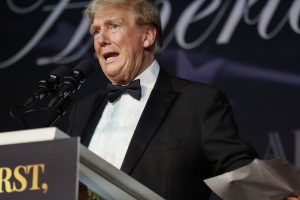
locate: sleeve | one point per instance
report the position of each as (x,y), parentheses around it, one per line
(221,143)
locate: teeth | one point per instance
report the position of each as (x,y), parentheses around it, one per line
(108,59)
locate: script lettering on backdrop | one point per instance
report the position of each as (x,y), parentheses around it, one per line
(194,12)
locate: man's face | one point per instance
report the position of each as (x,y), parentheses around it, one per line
(120,44)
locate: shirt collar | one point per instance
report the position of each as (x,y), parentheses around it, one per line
(149,76)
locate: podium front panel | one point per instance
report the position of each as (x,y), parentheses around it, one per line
(39,170)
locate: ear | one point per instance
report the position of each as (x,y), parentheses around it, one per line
(150,35)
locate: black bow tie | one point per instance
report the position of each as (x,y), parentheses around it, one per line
(115,91)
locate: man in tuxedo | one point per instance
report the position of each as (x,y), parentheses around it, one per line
(166,132)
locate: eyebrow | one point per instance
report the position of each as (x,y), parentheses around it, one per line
(93,27)
(109,21)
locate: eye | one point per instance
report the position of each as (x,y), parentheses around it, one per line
(95,32)
(114,26)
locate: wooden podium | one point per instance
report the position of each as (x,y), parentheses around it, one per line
(46,164)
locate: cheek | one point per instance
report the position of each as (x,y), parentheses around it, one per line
(134,47)
(95,44)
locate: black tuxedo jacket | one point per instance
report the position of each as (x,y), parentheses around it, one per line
(186,133)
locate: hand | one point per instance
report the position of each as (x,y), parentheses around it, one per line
(294,197)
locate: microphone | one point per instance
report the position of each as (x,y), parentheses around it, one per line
(49,85)
(70,84)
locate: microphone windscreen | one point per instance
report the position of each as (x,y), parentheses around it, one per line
(61,71)
(86,67)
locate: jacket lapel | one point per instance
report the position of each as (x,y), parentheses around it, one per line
(85,116)
(93,120)
(156,109)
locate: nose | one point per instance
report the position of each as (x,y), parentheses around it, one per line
(102,38)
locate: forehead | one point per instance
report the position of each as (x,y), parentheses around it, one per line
(113,13)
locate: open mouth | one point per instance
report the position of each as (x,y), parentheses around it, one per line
(110,56)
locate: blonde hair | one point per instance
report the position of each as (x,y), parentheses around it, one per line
(145,13)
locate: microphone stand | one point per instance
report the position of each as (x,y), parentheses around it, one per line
(60,110)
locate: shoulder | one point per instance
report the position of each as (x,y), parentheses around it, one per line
(196,89)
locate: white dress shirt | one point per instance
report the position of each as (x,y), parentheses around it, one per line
(119,120)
